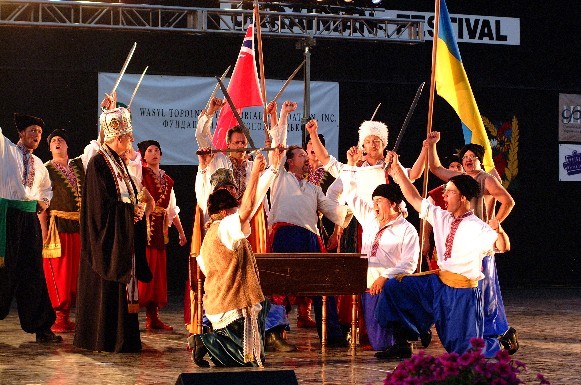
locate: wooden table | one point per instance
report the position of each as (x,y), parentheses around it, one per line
(309,274)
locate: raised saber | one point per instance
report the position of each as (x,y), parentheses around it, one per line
(288,81)
(213,95)
(408,116)
(137,87)
(407,120)
(375,112)
(227,150)
(124,67)
(236,114)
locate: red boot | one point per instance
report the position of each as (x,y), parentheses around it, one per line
(63,324)
(152,321)
(304,319)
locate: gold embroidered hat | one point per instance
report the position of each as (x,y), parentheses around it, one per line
(115,122)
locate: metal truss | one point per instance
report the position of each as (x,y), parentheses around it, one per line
(283,23)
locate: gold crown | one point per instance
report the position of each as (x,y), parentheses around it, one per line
(115,122)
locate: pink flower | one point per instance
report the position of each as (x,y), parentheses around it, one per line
(451,368)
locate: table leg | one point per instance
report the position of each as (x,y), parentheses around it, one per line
(324,324)
(354,320)
(199,304)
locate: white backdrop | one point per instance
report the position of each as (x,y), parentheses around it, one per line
(166,109)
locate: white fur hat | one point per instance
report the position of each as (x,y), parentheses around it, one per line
(371,127)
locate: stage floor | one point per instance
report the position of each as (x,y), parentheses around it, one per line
(548,322)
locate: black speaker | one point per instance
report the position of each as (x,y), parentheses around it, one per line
(253,377)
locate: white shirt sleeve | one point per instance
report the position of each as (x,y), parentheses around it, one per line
(172,209)
(135,168)
(335,191)
(333,166)
(203,131)
(278,134)
(230,231)
(202,186)
(44,185)
(264,183)
(90,151)
(338,214)
(361,208)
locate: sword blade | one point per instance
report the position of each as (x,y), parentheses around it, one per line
(216,87)
(288,81)
(127,60)
(227,150)
(408,116)
(137,87)
(236,114)
(375,112)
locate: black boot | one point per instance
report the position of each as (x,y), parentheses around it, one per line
(426,338)
(397,351)
(46,336)
(509,341)
(401,349)
(274,342)
(198,351)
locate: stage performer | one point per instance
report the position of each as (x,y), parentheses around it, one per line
(25,191)
(436,197)
(449,297)
(368,154)
(391,244)
(238,162)
(319,177)
(60,227)
(112,245)
(233,299)
(497,332)
(153,295)
(293,216)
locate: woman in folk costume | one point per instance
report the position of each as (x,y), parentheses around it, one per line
(153,295)
(112,245)
(233,300)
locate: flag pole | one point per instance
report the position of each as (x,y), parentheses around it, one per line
(261,65)
(430,120)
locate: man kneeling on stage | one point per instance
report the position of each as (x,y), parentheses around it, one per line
(233,299)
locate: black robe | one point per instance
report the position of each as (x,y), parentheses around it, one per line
(108,239)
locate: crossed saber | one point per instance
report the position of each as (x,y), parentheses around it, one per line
(245,129)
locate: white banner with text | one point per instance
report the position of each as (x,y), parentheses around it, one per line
(166,109)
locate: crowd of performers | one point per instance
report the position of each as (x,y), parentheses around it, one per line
(92,230)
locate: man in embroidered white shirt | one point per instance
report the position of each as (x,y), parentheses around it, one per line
(25,191)
(449,299)
(391,244)
(294,216)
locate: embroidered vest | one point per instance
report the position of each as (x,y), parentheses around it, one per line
(66,196)
(161,192)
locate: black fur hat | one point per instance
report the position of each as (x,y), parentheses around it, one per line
(22,121)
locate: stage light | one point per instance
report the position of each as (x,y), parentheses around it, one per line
(376,2)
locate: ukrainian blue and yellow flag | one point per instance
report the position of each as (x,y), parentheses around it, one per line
(452,84)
